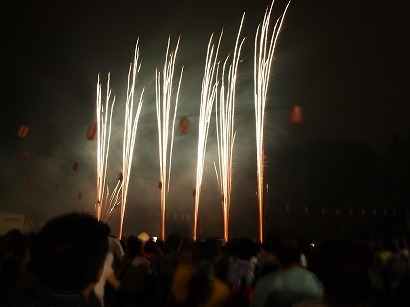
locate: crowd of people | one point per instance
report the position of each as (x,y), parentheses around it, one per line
(75,261)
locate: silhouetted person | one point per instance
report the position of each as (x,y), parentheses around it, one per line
(338,264)
(195,283)
(68,256)
(13,259)
(241,272)
(289,284)
(134,275)
(168,264)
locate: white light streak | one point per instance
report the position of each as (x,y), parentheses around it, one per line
(225,131)
(164,105)
(104,120)
(208,95)
(130,130)
(264,51)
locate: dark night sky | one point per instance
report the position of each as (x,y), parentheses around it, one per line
(345,62)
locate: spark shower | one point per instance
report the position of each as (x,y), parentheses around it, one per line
(218,86)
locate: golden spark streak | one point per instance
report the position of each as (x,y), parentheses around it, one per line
(264,51)
(130,130)
(164,106)
(225,132)
(113,201)
(103,144)
(208,95)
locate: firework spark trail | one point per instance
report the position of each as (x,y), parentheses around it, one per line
(264,51)
(112,203)
(103,143)
(208,95)
(225,131)
(130,130)
(164,105)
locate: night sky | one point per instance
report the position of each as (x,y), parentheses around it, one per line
(345,62)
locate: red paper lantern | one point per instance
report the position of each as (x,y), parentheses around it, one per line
(91,132)
(183,125)
(75,166)
(23,131)
(296,114)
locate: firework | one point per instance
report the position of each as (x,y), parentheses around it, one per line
(164,106)
(104,119)
(130,130)
(225,131)
(208,95)
(265,43)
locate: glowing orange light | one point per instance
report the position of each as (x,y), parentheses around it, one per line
(296,114)
(22,133)
(183,125)
(91,132)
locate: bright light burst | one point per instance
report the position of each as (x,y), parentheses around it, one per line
(264,51)
(208,95)
(130,130)
(225,131)
(164,105)
(105,203)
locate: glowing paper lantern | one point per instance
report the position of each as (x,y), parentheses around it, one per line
(296,114)
(75,166)
(183,125)
(92,131)
(23,131)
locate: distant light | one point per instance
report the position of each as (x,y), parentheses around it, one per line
(143,236)
(183,125)
(91,132)
(22,133)
(296,114)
